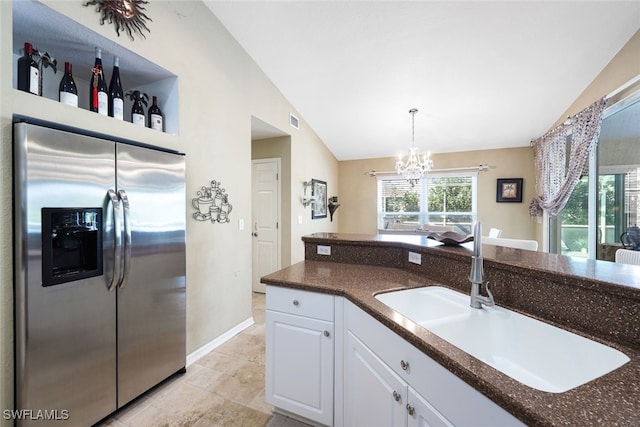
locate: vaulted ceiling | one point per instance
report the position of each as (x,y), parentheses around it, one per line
(482,74)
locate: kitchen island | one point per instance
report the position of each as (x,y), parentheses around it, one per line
(596,299)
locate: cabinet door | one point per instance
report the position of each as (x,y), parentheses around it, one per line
(374,394)
(299,365)
(422,414)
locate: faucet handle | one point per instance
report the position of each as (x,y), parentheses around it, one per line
(489,294)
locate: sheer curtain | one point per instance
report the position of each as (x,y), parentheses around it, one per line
(554,180)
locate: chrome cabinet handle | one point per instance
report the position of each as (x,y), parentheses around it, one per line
(254,234)
(296,302)
(127,239)
(326,334)
(396,396)
(410,409)
(404,365)
(117,247)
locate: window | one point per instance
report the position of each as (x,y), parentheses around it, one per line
(598,212)
(439,202)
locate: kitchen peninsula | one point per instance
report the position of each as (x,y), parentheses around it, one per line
(596,299)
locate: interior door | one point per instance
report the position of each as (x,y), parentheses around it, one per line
(266,218)
(152,297)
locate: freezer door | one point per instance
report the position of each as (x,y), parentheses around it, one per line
(65,335)
(151,299)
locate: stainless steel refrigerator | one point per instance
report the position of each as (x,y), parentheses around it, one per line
(99,273)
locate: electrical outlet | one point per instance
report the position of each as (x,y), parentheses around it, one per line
(324,250)
(415,258)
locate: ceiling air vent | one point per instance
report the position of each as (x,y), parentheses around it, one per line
(293,121)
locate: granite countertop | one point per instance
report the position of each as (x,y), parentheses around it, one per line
(626,278)
(613,399)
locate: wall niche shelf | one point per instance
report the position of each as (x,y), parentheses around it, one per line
(69,41)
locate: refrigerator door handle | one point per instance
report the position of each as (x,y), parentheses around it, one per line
(117,230)
(127,239)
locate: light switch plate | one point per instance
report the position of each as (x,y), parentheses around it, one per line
(415,258)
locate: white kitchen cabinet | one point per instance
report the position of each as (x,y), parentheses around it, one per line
(332,363)
(435,396)
(300,353)
(422,414)
(374,395)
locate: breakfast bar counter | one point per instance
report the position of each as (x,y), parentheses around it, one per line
(596,299)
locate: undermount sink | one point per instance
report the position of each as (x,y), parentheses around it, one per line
(532,352)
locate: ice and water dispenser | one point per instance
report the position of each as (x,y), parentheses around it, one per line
(71,244)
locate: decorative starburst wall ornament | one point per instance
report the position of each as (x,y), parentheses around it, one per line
(126,15)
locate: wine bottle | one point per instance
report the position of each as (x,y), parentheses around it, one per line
(116,95)
(98,92)
(28,72)
(68,92)
(137,110)
(156,119)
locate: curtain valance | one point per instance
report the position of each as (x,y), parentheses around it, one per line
(555,180)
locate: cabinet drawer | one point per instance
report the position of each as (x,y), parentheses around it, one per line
(300,303)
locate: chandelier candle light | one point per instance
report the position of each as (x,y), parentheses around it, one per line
(416,166)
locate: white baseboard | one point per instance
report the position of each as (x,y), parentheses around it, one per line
(216,342)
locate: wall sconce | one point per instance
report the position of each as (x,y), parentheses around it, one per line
(333,205)
(306,201)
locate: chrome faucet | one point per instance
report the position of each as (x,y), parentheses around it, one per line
(476,277)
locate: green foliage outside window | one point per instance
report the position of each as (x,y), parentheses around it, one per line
(408,202)
(450,195)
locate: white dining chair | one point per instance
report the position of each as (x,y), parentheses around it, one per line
(530,245)
(627,256)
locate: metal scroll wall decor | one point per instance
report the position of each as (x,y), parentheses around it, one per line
(212,204)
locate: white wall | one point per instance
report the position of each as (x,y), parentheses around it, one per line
(220,88)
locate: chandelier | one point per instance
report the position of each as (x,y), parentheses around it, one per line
(416,166)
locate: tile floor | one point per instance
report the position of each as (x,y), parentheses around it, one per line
(224,388)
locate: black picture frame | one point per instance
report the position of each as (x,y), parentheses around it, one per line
(509,190)
(319,195)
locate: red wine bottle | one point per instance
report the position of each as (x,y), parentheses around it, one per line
(28,72)
(116,95)
(98,92)
(156,119)
(68,92)
(137,110)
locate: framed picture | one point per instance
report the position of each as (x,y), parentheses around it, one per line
(319,194)
(509,190)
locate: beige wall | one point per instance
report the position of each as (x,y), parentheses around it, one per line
(220,89)
(358,190)
(6,242)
